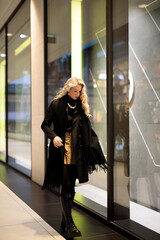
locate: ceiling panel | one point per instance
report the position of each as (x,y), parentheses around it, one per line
(6,9)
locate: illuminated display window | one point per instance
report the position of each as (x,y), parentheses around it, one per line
(2,98)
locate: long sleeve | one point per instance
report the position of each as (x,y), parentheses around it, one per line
(46,124)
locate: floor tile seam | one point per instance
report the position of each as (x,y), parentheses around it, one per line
(47,204)
(20,202)
(41,223)
(99,235)
(109,234)
(118,234)
(9,192)
(7,188)
(17,224)
(14,225)
(49,231)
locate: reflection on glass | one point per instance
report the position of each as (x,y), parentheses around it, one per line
(76,38)
(2,98)
(144,65)
(121,116)
(94,75)
(91,63)
(59,45)
(19,121)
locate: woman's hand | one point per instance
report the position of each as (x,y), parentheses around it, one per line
(57,141)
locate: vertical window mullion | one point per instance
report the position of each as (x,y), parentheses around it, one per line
(110,137)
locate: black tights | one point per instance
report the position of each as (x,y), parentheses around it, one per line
(69,178)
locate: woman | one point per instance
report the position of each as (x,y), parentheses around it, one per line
(74,148)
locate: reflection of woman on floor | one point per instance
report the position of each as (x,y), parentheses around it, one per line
(74,148)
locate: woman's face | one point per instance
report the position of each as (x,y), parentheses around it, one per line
(75,92)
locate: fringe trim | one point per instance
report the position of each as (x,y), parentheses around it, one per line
(97,167)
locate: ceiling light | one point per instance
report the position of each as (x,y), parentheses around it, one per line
(102,76)
(23,36)
(9,34)
(3,55)
(121,76)
(142,5)
(94,85)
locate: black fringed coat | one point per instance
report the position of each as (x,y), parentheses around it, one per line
(86,146)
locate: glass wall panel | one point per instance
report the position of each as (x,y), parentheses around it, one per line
(81,39)
(2,97)
(144,115)
(19,106)
(136,72)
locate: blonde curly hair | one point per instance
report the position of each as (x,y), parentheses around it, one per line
(73,82)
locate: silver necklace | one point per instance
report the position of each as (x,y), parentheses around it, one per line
(73,107)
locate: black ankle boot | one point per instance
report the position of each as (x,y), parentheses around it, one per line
(67,225)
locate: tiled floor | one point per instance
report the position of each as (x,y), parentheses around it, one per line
(19,221)
(27,212)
